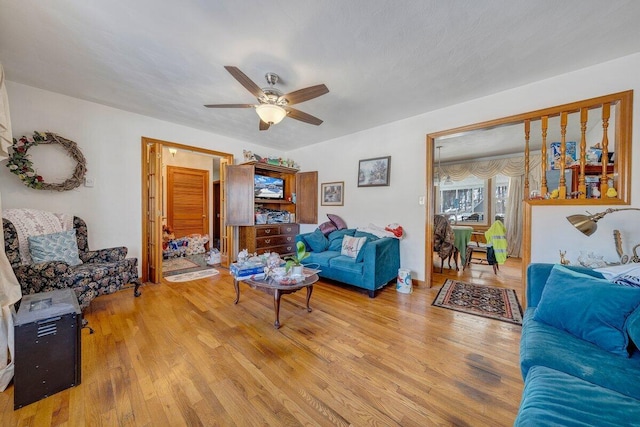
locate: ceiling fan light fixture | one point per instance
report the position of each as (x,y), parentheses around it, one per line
(270,113)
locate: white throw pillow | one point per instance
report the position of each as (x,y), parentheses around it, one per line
(351,246)
(623,274)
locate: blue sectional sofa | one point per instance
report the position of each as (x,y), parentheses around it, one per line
(376,264)
(579,350)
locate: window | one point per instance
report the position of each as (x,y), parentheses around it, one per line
(467,200)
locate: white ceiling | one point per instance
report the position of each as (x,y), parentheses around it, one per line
(381,60)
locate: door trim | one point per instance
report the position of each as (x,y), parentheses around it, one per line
(226,232)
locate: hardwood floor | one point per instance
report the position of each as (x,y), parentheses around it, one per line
(184,354)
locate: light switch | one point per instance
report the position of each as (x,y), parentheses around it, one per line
(421,200)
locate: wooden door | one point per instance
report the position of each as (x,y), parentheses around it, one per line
(216,213)
(307,197)
(239,195)
(187,201)
(151,211)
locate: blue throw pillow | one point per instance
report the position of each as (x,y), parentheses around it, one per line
(61,246)
(317,241)
(335,238)
(370,238)
(589,308)
(633,327)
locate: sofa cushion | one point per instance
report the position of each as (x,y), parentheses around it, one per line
(633,327)
(370,238)
(351,246)
(549,399)
(589,308)
(61,246)
(327,227)
(337,221)
(545,345)
(316,241)
(335,238)
(348,264)
(321,258)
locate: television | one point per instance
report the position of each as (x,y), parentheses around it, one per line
(268,187)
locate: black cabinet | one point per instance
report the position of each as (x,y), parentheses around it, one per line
(47,345)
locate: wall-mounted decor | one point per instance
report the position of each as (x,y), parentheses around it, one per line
(20,163)
(332,193)
(374,172)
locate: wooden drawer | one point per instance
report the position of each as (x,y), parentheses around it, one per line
(289,229)
(272,230)
(263,242)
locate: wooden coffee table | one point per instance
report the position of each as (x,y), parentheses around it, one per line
(272,287)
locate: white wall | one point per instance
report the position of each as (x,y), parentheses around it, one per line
(110,140)
(405,141)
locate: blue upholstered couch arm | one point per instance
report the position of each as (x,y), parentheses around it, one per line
(537,274)
(381,260)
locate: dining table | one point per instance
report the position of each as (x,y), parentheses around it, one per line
(462,236)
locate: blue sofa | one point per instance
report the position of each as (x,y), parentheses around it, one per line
(570,381)
(375,266)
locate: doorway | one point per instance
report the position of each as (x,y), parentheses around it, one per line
(491,188)
(158,157)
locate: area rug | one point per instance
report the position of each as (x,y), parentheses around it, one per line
(174,264)
(486,301)
(193,275)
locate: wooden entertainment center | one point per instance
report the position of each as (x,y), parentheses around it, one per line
(301,187)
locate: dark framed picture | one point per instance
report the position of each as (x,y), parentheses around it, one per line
(332,193)
(374,172)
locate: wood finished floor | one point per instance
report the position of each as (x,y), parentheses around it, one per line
(184,354)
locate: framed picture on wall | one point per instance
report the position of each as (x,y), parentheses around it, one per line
(332,193)
(374,172)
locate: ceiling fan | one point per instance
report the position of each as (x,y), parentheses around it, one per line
(273,105)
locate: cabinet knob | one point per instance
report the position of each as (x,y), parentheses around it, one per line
(289,248)
(288,229)
(267,240)
(289,238)
(267,231)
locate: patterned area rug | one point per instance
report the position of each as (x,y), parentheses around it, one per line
(486,301)
(174,264)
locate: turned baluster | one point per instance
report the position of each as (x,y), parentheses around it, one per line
(604,178)
(582,186)
(543,182)
(562,187)
(527,131)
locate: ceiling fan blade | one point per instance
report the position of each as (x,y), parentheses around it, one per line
(302,116)
(245,81)
(305,94)
(264,125)
(230,106)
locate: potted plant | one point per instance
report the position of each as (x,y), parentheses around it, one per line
(295,261)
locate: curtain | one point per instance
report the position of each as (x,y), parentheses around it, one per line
(9,286)
(513,167)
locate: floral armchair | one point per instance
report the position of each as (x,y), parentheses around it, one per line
(102,272)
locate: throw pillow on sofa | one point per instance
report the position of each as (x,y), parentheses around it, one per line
(337,221)
(61,246)
(351,246)
(327,227)
(589,308)
(316,241)
(624,274)
(370,238)
(335,238)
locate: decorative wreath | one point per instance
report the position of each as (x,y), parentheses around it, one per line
(20,162)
